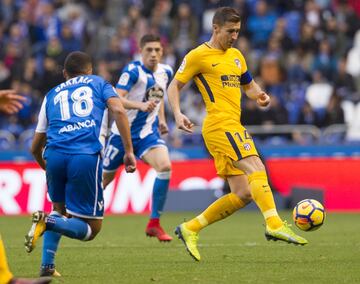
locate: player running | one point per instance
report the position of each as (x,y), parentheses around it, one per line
(70,125)
(219,71)
(142,87)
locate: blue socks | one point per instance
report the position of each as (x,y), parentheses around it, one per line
(74,228)
(50,245)
(161,186)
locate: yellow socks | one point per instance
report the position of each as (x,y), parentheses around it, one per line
(263,197)
(5,274)
(218,210)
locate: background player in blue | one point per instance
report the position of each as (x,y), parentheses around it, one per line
(71,122)
(142,86)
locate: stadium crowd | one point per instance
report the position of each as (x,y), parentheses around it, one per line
(305,54)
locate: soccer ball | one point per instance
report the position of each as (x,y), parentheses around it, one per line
(309,215)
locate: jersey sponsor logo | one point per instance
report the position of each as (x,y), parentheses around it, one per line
(237,63)
(215,64)
(155,93)
(73,81)
(77,126)
(230,81)
(124,79)
(182,66)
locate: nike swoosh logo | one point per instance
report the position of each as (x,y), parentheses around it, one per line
(305,206)
(213,65)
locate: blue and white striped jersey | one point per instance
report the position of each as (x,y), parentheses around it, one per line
(74,114)
(143,85)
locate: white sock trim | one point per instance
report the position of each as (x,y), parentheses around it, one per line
(88,234)
(163,175)
(202,220)
(270,213)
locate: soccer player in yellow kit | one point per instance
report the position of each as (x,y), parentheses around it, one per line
(219,71)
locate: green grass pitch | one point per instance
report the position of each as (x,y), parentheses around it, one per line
(232,251)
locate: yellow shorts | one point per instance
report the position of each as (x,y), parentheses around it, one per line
(227,146)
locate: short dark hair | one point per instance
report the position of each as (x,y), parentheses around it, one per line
(148,38)
(226,14)
(77,63)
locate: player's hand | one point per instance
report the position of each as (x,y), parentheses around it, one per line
(163,128)
(10,102)
(148,106)
(129,162)
(263,100)
(183,123)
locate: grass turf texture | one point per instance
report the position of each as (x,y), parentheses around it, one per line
(232,251)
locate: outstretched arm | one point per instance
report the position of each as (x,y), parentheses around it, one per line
(128,104)
(253,91)
(122,123)
(182,122)
(10,102)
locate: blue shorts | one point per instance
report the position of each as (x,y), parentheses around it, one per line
(76,180)
(114,152)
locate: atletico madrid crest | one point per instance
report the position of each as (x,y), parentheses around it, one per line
(247,146)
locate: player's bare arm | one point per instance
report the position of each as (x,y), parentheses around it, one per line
(253,91)
(163,128)
(37,147)
(10,102)
(182,122)
(122,123)
(128,104)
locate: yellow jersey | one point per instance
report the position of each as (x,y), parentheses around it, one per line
(218,75)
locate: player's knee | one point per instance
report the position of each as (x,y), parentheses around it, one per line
(245,196)
(93,235)
(250,165)
(164,171)
(95,228)
(59,208)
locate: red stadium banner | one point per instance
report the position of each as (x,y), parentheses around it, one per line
(338,177)
(23,185)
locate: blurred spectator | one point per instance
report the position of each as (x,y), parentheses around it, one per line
(68,39)
(276,113)
(312,13)
(261,24)
(55,50)
(308,116)
(115,58)
(344,82)
(251,114)
(319,93)
(352,64)
(272,76)
(308,41)
(184,30)
(52,75)
(334,113)
(325,62)
(27,115)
